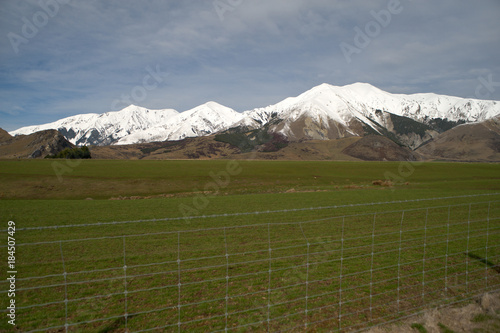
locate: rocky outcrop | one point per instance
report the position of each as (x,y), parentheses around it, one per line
(36,145)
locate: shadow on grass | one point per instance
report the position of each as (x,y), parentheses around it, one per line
(488,263)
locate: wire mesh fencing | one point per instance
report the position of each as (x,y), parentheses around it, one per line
(290,272)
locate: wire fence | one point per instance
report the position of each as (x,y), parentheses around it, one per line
(312,272)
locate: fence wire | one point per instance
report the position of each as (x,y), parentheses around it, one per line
(335,273)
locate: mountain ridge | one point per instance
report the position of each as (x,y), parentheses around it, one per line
(323,112)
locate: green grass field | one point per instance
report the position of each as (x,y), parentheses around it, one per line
(346,261)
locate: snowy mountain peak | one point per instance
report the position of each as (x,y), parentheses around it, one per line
(211,107)
(214,105)
(132,107)
(358,88)
(363,87)
(141,110)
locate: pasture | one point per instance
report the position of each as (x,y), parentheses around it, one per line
(114,246)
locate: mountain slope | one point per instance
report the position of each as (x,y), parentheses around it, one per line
(39,144)
(4,136)
(379,148)
(468,142)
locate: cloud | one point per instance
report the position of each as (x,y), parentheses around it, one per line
(92,52)
(12,110)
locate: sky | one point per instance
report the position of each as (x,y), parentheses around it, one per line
(60,58)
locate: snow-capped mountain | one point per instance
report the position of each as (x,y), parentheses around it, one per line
(203,120)
(331,112)
(106,128)
(324,112)
(363,102)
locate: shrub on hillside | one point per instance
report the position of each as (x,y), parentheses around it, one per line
(260,139)
(277,142)
(73,153)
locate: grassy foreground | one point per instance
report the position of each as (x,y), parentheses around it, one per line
(349,265)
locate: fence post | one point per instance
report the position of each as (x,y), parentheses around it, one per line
(399,257)
(423,258)
(467,253)
(179,284)
(487,240)
(227,275)
(371,267)
(65,274)
(307,276)
(447,251)
(340,275)
(269,286)
(125,293)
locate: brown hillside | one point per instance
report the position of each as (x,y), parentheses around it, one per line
(470,142)
(308,150)
(39,144)
(379,148)
(208,148)
(4,136)
(191,148)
